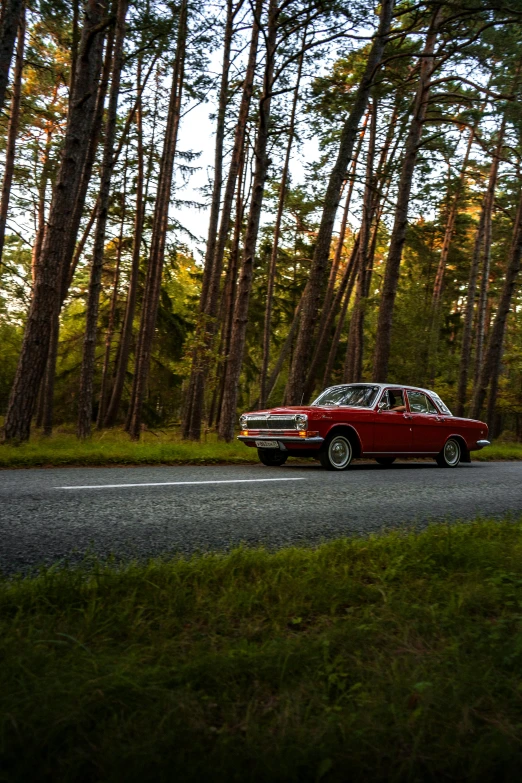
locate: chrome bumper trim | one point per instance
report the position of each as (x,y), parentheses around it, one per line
(284,438)
(481,444)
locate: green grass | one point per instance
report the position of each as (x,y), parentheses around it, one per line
(499,451)
(391,658)
(115,448)
(162,448)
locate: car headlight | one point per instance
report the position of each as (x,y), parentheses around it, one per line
(301,421)
(243,422)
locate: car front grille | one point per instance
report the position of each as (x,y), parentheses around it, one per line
(271,423)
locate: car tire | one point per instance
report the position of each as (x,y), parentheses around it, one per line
(272,458)
(385,461)
(336,453)
(450,455)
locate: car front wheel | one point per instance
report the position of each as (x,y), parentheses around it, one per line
(272,458)
(449,457)
(336,453)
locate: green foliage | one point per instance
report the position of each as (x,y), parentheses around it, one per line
(387,658)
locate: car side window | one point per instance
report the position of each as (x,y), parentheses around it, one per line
(394,399)
(419,403)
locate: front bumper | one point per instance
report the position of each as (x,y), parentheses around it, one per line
(481,444)
(316,440)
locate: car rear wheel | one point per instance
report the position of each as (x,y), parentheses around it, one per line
(336,453)
(450,455)
(271,457)
(385,461)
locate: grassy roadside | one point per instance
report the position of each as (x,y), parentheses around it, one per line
(115,448)
(162,448)
(391,658)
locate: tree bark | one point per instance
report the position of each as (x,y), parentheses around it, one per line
(478,248)
(70,253)
(443,262)
(237,343)
(450,225)
(275,239)
(355,347)
(104,387)
(344,294)
(391,275)
(44,304)
(12,131)
(210,292)
(130,307)
(331,203)
(85,397)
(159,233)
(328,309)
(486,255)
(40,211)
(491,365)
(10,22)
(229,294)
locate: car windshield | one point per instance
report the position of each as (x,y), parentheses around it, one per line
(355,396)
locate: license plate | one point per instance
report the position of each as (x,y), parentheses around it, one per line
(267,444)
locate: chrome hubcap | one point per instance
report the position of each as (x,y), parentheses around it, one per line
(452,452)
(340,452)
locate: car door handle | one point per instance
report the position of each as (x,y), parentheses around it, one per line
(439,418)
(406,415)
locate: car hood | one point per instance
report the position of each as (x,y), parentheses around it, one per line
(291,410)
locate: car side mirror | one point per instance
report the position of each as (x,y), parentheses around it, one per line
(381,406)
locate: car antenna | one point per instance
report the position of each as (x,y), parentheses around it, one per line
(302,398)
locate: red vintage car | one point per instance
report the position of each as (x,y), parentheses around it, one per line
(382,421)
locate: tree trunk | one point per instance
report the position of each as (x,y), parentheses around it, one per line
(10,22)
(438,285)
(275,240)
(159,233)
(40,211)
(130,307)
(12,131)
(44,304)
(85,397)
(237,343)
(344,294)
(210,292)
(218,153)
(104,388)
(70,253)
(229,296)
(355,347)
(479,245)
(491,366)
(391,275)
(331,203)
(450,224)
(328,311)
(486,255)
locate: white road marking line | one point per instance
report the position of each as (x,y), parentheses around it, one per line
(180,483)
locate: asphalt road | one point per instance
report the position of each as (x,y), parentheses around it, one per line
(55,514)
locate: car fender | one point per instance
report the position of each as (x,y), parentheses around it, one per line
(466,457)
(350,430)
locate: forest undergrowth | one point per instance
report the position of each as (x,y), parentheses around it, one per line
(393,657)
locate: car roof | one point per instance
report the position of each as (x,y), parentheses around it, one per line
(386,386)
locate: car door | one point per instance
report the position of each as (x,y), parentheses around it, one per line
(392,429)
(427,423)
